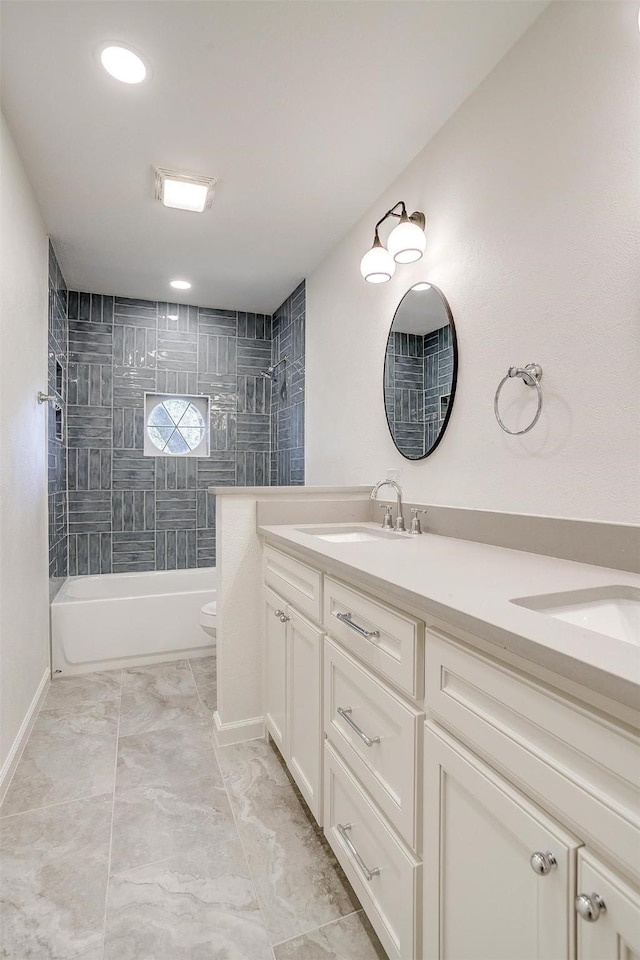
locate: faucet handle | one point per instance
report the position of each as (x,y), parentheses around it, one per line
(387,520)
(415,521)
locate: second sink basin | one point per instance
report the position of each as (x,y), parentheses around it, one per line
(612,611)
(350,534)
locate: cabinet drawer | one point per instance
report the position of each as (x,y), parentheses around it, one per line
(574,760)
(385,753)
(294,581)
(384,874)
(391,641)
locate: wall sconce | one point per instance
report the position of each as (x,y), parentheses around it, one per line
(406,244)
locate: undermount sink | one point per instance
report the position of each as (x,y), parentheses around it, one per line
(350,534)
(612,611)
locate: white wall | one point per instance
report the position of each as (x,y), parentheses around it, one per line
(24,601)
(531,194)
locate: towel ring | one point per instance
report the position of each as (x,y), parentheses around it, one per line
(531,375)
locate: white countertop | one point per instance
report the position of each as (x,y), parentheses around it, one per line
(470,585)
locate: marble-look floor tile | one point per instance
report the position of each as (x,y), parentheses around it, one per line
(67,756)
(205,669)
(349,938)
(299,883)
(208,694)
(200,906)
(71,693)
(157,821)
(54,880)
(167,756)
(159,696)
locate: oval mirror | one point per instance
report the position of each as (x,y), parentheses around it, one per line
(420,369)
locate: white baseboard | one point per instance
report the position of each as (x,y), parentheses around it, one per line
(13,757)
(238,732)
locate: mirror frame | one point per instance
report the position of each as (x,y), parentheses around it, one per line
(454,372)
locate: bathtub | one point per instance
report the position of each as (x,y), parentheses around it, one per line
(126,619)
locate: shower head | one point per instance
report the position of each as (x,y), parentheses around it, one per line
(270,372)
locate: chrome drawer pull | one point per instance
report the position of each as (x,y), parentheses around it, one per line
(345,713)
(369,874)
(346,619)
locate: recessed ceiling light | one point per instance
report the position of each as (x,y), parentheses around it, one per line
(122,63)
(421,286)
(180,284)
(183,191)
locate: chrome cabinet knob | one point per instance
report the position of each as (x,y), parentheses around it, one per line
(279,613)
(591,907)
(542,863)
(284,618)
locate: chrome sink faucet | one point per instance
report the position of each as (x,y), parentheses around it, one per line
(399,524)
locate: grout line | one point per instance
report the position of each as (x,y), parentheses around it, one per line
(322,926)
(48,806)
(75,709)
(210,683)
(113,806)
(244,852)
(312,826)
(58,803)
(196,722)
(174,856)
(202,703)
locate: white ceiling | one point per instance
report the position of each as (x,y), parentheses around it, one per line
(421,312)
(306,111)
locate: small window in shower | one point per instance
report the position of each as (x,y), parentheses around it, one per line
(176,426)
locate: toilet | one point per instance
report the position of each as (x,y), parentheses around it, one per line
(209,617)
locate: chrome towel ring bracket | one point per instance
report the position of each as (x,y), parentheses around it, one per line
(531,375)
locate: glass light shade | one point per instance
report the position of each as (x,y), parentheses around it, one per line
(123,64)
(377,265)
(184,195)
(180,284)
(407,242)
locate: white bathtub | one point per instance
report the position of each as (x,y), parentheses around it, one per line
(127,619)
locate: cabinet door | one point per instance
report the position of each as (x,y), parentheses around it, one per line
(275,652)
(483,899)
(304,708)
(614,933)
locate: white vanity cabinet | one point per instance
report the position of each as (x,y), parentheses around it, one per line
(275,659)
(293,684)
(519,788)
(373,671)
(482,807)
(499,875)
(304,708)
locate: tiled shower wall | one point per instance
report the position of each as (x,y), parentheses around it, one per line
(57,461)
(438,370)
(287,403)
(128,512)
(417,375)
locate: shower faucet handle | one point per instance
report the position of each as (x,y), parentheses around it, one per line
(387,520)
